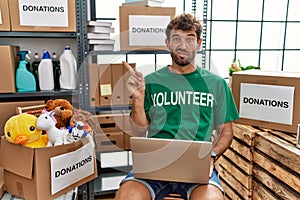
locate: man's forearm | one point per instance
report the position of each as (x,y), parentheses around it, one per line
(139,123)
(224,138)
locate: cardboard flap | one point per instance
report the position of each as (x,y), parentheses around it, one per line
(13,156)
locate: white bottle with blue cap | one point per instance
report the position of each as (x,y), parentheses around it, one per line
(68,69)
(46,80)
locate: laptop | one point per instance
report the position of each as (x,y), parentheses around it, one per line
(171,159)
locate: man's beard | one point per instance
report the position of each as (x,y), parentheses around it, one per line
(182,61)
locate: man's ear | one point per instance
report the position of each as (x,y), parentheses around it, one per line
(199,43)
(167,42)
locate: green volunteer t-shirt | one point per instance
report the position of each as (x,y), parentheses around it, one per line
(187,106)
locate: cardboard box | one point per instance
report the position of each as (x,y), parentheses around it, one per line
(105,84)
(1,182)
(94,84)
(40,173)
(44,13)
(8,65)
(110,122)
(268,99)
(113,141)
(143,28)
(113,89)
(8,109)
(4,16)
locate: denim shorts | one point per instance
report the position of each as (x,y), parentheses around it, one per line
(160,189)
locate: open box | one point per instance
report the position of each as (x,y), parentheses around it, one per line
(46,173)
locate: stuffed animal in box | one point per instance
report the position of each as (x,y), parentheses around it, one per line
(82,124)
(22,129)
(56,136)
(63,112)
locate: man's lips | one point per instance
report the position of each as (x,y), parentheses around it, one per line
(182,54)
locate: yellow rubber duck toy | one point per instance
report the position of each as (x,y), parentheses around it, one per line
(21,129)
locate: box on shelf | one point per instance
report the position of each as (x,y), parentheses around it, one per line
(8,65)
(268,99)
(110,122)
(143,28)
(115,132)
(107,84)
(43,16)
(113,141)
(40,173)
(4,16)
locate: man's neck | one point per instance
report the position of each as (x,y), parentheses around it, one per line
(182,69)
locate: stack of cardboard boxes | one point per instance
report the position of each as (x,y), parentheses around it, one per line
(108,89)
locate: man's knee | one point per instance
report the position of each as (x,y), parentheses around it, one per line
(207,192)
(133,190)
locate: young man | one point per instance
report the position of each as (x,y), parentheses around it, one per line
(180,101)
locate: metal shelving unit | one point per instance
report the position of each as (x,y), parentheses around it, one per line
(38,34)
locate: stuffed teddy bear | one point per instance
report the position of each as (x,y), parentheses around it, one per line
(21,129)
(63,112)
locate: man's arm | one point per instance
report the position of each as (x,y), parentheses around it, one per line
(139,122)
(136,87)
(223,140)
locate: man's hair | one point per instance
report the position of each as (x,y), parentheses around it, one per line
(184,22)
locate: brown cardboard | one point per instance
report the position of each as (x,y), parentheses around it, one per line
(27,170)
(125,11)
(8,65)
(8,109)
(118,84)
(113,141)
(1,182)
(127,137)
(268,78)
(94,84)
(110,122)
(105,84)
(15,20)
(127,95)
(5,26)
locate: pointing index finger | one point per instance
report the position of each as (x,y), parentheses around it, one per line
(128,67)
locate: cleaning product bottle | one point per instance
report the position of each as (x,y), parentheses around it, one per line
(45,69)
(35,69)
(56,70)
(68,68)
(25,81)
(28,65)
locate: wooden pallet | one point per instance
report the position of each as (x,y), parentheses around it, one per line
(261,164)
(236,164)
(277,165)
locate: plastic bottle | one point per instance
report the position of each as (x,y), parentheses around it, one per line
(46,80)
(25,81)
(28,65)
(56,71)
(68,68)
(35,69)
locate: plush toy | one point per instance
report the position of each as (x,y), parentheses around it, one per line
(78,132)
(83,124)
(63,111)
(55,136)
(91,124)
(22,129)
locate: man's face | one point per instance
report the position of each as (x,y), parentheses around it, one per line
(183,46)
